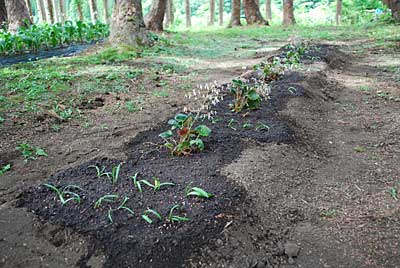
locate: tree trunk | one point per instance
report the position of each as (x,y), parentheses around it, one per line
(235,17)
(3,12)
(394,6)
(29,6)
(128,25)
(41,11)
(338,11)
(188,14)
(49,11)
(268,10)
(288,15)
(212,13)
(56,14)
(93,10)
(253,14)
(169,14)
(62,11)
(106,11)
(155,18)
(79,10)
(221,12)
(17,14)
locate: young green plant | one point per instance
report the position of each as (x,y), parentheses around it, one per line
(65,194)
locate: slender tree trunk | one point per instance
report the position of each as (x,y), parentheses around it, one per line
(106,12)
(235,17)
(253,14)
(41,11)
(62,11)
(93,10)
(17,14)
(258,3)
(155,18)
(79,10)
(56,11)
(49,11)
(268,10)
(394,6)
(188,14)
(128,25)
(212,13)
(168,14)
(338,11)
(3,12)
(288,14)
(221,12)
(29,6)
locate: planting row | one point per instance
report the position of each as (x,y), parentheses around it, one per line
(73,193)
(48,36)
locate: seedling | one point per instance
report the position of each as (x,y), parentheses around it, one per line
(292,90)
(157,184)
(189,136)
(247,126)
(136,183)
(121,206)
(232,123)
(30,152)
(359,149)
(393,193)
(110,198)
(328,213)
(175,218)
(100,171)
(245,96)
(4,169)
(65,195)
(195,191)
(115,173)
(261,126)
(148,212)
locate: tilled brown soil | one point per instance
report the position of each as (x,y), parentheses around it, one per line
(321,187)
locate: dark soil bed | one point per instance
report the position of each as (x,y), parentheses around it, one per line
(132,242)
(44,54)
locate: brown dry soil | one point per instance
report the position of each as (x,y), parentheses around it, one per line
(316,186)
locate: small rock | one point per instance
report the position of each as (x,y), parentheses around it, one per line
(291,250)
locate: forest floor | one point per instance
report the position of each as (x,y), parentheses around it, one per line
(324,181)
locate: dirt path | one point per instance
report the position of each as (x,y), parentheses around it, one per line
(327,193)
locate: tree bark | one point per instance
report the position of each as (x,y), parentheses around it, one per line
(268,10)
(253,14)
(62,11)
(212,13)
(221,12)
(394,6)
(17,14)
(29,6)
(93,10)
(128,26)
(155,18)
(3,12)
(56,11)
(338,11)
(235,17)
(49,11)
(288,14)
(106,16)
(41,11)
(79,10)
(169,14)
(188,14)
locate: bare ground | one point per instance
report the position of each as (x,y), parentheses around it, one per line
(327,193)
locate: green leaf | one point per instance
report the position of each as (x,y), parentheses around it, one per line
(195,191)
(253,95)
(4,169)
(40,152)
(203,130)
(166,134)
(198,143)
(180,118)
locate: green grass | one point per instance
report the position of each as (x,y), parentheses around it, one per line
(30,88)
